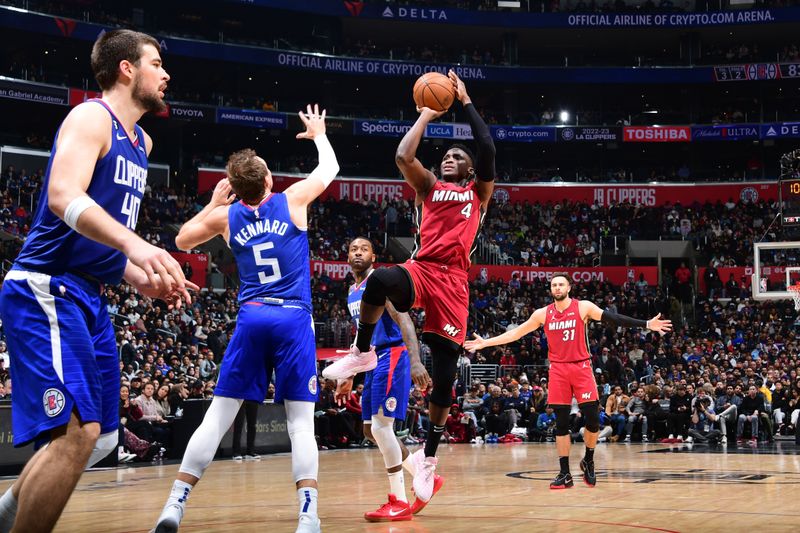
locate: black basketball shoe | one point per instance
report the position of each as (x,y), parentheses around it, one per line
(562,481)
(589,476)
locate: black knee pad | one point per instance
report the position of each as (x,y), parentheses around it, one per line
(392,283)
(562,419)
(444,354)
(591,416)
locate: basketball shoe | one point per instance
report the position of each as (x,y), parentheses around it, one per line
(392,511)
(562,481)
(425,478)
(351,364)
(589,476)
(418,504)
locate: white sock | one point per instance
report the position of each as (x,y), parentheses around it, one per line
(408,464)
(8,511)
(397,485)
(176,503)
(307,497)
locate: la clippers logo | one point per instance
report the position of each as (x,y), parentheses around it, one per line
(451,330)
(312,385)
(391,404)
(53,401)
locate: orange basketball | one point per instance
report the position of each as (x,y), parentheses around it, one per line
(434,90)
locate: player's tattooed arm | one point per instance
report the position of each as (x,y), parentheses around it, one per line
(419,375)
(532,324)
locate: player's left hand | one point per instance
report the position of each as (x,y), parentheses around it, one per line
(344,388)
(419,375)
(314,122)
(222,193)
(174,297)
(460,88)
(478,343)
(659,325)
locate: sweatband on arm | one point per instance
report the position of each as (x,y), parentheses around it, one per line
(76,208)
(484,166)
(610,317)
(328,167)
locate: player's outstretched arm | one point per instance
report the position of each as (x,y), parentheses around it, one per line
(485,156)
(84,138)
(211,221)
(593,312)
(419,375)
(532,324)
(418,177)
(306,191)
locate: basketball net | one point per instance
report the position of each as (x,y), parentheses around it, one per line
(795,290)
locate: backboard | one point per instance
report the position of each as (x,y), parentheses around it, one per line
(776,265)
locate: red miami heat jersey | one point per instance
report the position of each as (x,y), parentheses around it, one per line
(566,334)
(448,222)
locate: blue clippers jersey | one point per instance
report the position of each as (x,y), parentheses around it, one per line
(117,186)
(271,252)
(387,332)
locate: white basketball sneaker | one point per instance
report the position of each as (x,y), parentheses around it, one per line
(351,364)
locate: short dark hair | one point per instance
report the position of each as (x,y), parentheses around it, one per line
(115,46)
(465,149)
(562,275)
(361,237)
(246,175)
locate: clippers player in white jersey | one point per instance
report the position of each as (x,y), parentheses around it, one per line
(565,322)
(66,364)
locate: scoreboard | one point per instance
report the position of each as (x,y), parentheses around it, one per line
(757,71)
(789,189)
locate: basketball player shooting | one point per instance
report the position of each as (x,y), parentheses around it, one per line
(565,324)
(385,397)
(274,328)
(449,213)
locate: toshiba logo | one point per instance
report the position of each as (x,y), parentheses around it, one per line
(658,134)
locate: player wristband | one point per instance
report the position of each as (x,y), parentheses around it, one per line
(76,208)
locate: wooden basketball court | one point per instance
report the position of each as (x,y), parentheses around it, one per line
(651,487)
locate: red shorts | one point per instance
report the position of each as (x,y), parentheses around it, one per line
(443,293)
(572,379)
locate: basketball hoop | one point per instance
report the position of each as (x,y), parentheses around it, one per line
(795,290)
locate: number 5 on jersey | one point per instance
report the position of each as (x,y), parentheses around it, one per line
(266,261)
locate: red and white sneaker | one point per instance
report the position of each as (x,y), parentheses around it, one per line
(351,364)
(420,504)
(392,511)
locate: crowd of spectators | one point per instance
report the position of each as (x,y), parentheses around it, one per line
(571,234)
(168,355)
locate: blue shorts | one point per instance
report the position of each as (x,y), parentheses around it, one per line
(65,354)
(388,385)
(270,337)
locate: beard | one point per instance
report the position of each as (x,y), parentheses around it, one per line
(149,101)
(560,297)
